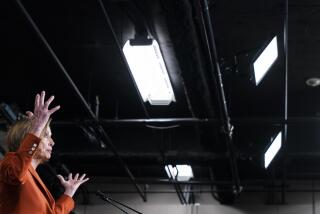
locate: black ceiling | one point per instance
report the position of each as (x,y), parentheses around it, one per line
(87,43)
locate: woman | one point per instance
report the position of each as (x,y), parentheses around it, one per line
(30,144)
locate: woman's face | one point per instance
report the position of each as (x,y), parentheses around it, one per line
(45,146)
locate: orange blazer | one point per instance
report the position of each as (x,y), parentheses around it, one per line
(22,190)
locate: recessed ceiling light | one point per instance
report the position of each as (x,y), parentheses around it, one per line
(313,81)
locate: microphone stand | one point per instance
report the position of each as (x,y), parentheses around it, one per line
(114,203)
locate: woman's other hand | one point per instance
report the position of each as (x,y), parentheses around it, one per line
(72,184)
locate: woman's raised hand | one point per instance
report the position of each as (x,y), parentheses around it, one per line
(41,113)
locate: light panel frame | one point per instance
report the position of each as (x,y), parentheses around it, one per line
(149,72)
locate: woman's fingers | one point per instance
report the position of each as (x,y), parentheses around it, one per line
(84,180)
(37,101)
(82,177)
(47,103)
(29,114)
(43,94)
(61,179)
(42,97)
(51,111)
(70,176)
(76,176)
(80,180)
(40,105)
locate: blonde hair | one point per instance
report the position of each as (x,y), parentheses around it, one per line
(18,132)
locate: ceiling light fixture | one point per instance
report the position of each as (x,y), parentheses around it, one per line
(265,60)
(149,72)
(179,172)
(273,150)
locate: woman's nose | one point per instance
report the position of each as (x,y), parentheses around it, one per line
(51,142)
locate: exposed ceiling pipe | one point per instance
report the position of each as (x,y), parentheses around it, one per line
(285,126)
(203,191)
(172,157)
(285,40)
(191,121)
(199,182)
(215,70)
(276,121)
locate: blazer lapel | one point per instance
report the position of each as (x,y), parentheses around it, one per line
(41,185)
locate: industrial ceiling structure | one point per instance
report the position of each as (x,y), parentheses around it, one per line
(220,123)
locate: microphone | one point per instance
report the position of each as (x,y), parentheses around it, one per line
(100,194)
(114,203)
